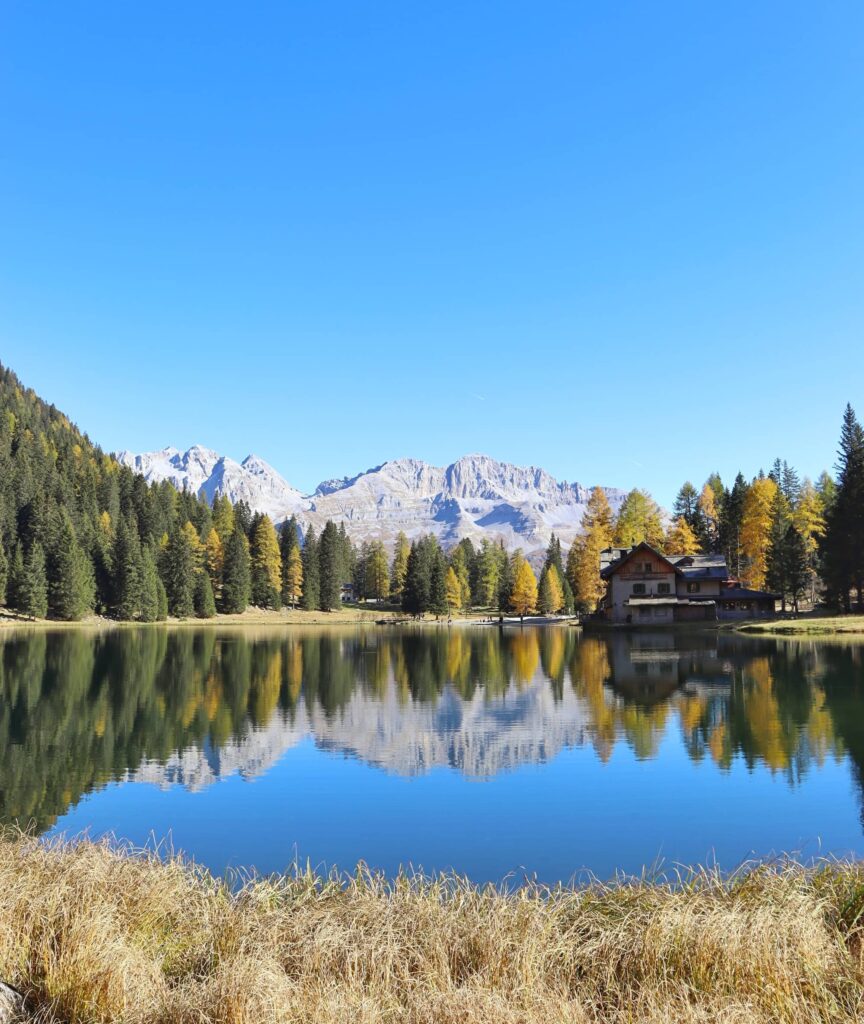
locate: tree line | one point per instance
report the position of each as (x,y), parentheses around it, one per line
(79,533)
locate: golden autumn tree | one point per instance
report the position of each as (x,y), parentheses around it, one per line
(583,560)
(265,564)
(223,517)
(710,513)
(453,589)
(756,529)
(293,577)
(639,519)
(680,539)
(808,518)
(377,572)
(550,593)
(523,596)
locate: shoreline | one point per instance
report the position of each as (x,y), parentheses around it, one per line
(256,617)
(104,933)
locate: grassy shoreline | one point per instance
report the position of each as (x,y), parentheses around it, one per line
(816,625)
(93,933)
(348,616)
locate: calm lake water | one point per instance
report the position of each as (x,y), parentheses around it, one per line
(533,751)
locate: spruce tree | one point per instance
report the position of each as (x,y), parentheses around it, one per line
(126,572)
(330,557)
(438,584)
(4,574)
(205,605)
(152,592)
(236,575)
(843,545)
(797,565)
(33,598)
(179,574)
(72,588)
(311,575)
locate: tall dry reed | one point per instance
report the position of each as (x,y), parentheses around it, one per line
(91,932)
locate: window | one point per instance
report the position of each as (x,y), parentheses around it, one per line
(662,588)
(638,588)
(694,588)
(647,567)
(644,611)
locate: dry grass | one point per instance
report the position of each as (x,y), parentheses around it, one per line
(91,933)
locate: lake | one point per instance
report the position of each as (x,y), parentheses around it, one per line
(497,753)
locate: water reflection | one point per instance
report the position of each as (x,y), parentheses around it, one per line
(78,710)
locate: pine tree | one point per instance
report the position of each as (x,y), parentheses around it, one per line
(205,605)
(214,560)
(730,527)
(4,574)
(178,572)
(798,569)
(311,572)
(72,589)
(399,568)
(266,564)
(33,596)
(153,605)
(126,599)
(688,506)
(330,567)
(523,597)
(236,573)
(844,530)
(776,563)
(15,583)
(438,584)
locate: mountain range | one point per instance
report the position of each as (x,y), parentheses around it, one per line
(475,497)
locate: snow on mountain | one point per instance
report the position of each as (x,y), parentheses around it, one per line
(477,737)
(475,497)
(204,471)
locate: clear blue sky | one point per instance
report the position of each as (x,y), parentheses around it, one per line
(622,241)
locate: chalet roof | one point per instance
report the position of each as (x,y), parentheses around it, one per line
(690,567)
(744,594)
(610,568)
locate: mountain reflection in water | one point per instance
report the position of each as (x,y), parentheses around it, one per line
(79,710)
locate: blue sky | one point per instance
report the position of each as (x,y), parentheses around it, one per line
(621,241)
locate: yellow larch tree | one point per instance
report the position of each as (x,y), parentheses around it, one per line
(639,519)
(293,583)
(523,596)
(214,558)
(756,529)
(266,564)
(223,517)
(377,572)
(583,560)
(680,539)
(710,515)
(453,589)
